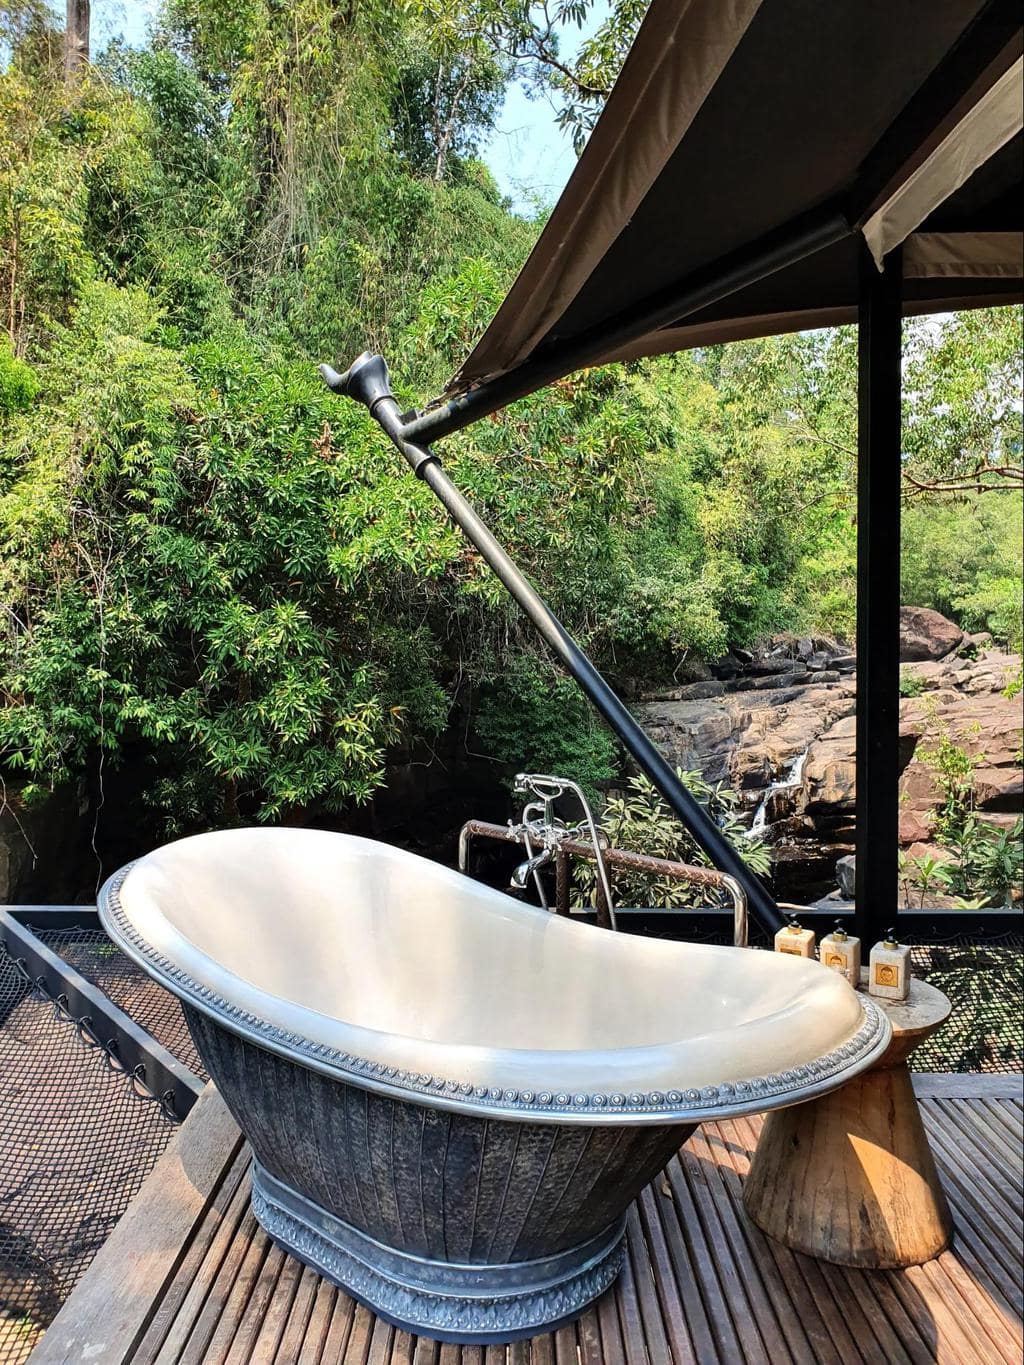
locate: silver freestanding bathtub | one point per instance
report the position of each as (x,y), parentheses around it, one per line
(452,1098)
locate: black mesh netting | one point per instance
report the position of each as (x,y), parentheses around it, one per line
(92,954)
(984,981)
(77,1139)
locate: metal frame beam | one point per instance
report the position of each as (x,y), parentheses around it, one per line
(915,926)
(55,916)
(796,241)
(878,594)
(161,1073)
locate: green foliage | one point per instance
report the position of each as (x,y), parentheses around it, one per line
(211,566)
(189,515)
(531,718)
(638,819)
(964,559)
(953,769)
(911,685)
(988,863)
(962,381)
(19,383)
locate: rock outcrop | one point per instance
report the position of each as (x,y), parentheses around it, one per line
(927,634)
(783,734)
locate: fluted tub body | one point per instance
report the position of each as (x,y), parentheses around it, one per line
(453,1098)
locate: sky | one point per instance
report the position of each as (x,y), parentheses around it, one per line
(530,157)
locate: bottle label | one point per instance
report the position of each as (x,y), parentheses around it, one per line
(886,974)
(792,949)
(835,960)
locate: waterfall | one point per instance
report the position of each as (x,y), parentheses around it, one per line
(792,777)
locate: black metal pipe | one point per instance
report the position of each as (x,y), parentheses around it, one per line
(670,305)
(367,382)
(878,595)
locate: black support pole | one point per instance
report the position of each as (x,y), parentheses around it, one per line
(878,594)
(367,382)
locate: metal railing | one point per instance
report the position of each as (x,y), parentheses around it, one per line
(644,863)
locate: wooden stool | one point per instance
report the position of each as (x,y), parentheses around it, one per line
(850,1177)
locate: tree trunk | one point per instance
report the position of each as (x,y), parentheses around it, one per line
(76,36)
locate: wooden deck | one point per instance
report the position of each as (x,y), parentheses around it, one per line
(189,1277)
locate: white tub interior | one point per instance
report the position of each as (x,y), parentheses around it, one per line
(375,951)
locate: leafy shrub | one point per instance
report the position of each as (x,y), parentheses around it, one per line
(988,863)
(639,820)
(911,684)
(964,559)
(531,718)
(19,384)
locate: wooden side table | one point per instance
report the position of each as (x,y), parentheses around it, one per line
(850,1177)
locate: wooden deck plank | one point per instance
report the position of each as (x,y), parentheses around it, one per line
(197,1292)
(682,1284)
(248,1328)
(700,1264)
(989,1140)
(695,1159)
(913,1343)
(930,1085)
(978,1201)
(808,1287)
(190,1279)
(780,1270)
(210,1337)
(342,1321)
(651,1316)
(205,1231)
(670,1305)
(312,1346)
(239,1300)
(734,1163)
(1006,1115)
(711,1146)
(298,1319)
(982,1309)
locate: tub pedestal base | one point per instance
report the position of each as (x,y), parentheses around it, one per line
(477,1304)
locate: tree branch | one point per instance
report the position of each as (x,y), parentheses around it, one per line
(1012,474)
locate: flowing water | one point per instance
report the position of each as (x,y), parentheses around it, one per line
(792,777)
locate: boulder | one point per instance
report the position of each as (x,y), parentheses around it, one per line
(999,789)
(846,876)
(927,634)
(914,826)
(752,734)
(923,851)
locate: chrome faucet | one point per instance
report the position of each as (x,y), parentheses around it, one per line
(539,825)
(525,871)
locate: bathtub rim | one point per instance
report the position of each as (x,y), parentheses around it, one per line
(778,1090)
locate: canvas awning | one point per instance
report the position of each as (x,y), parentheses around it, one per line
(763,143)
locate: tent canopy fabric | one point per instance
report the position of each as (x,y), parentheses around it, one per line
(736,122)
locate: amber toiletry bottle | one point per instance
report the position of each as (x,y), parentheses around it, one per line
(794,940)
(889,974)
(840,951)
